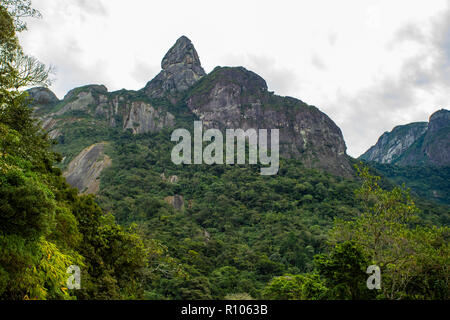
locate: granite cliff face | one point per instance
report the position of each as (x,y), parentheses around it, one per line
(392,145)
(42,96)
(123,109)
(84,171)
(238,98)
(415,144)
(181,68)
(433,147)
(225,98)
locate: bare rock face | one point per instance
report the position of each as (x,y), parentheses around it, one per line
(92,88)
(434,146)
(172,179)
(232,98)
(41,99)
(80,102)
(181,68)
(118,110)
(415,144)
(440,120)
(238,98)
(392,145)
(142,118)
(84,171)
(42,96)
(176,201)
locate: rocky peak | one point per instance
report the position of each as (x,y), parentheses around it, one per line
(391,145)
(92,88)
(42,95)
(415,144)
(181,69)
(438,120)
(227,87)
(182,52)
(234,97)
(228,97)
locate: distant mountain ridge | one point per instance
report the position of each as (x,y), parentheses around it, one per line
(414,144)
(225,98)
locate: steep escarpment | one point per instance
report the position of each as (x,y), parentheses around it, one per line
(181,68)
(433,148)
(391,145)
(417,155)
(238,98)
(415,144)
(122,109)
(182,92)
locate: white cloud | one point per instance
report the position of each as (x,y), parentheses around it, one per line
(279,79)
(418,89)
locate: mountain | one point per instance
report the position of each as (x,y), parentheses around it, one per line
(392,145)
(417,154)
(181,69)
(238,98)
(417,143)
(181,93)
(212,231)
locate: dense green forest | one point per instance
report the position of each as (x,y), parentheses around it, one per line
(238,230)
(428,182)
(45,227)
(161,231)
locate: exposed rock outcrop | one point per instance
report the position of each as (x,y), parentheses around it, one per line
(391,145)
(434,146)
(142,118)
(171,179)
(238,98)
(415,144)
(181,68)
(93,89)
(84,171)
(232,98)
(42,96)
(117,109)
(176,201)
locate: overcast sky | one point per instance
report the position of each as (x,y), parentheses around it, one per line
(369,64)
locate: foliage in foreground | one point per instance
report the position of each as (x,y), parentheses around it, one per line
(239,235)
(45,227)
(413,259)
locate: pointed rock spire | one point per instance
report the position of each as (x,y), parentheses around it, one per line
(181,68)
(183,52)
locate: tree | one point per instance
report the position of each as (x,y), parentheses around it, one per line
(45,227)
(295,287)
(19,9)
(383,231)
(344,271)
(17,69)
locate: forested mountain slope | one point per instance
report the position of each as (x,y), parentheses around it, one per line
(194,231)
(417,154)
(233,98)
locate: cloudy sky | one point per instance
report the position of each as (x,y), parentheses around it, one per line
(369,64)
